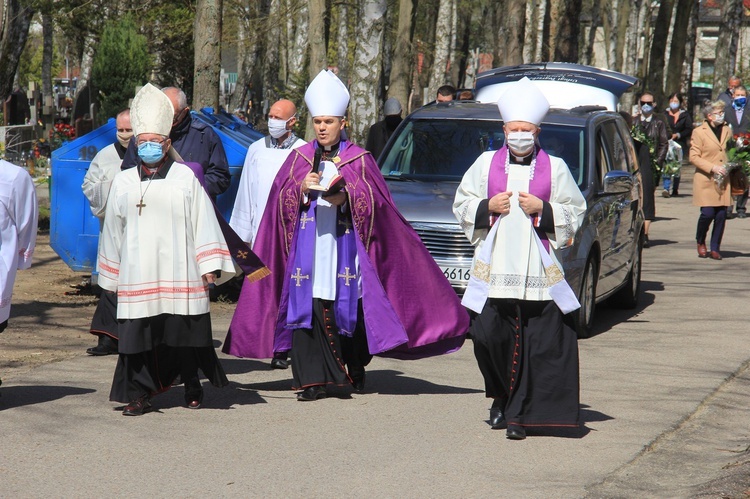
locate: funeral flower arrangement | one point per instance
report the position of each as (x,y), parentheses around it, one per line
(639,135)
(738,164)
(61,133)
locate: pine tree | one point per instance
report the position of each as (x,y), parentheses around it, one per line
(122,62)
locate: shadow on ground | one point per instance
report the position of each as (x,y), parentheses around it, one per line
(18,396)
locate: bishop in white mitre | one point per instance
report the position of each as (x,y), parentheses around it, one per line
(161,248)
(519,206)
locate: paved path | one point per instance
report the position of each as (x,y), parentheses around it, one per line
(661,419)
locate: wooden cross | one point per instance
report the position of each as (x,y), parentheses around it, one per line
(347,224)
(346,275)
(303,221)
(140,206)
(298,277)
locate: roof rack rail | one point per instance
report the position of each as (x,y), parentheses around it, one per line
(587,109)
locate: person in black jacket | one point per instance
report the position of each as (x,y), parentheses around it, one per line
(739,120)
(680,128)
(380,132)
(195,142)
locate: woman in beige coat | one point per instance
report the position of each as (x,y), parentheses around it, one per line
(708,155)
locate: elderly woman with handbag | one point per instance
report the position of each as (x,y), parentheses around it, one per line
(710,188)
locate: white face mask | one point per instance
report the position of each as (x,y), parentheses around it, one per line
(124,138)
(719,119)
(520,143)
(277,128)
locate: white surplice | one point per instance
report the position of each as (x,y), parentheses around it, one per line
(18,225)
(155,261)
(516,269)
(258,173)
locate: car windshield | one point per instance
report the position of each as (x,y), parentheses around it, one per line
(440,149)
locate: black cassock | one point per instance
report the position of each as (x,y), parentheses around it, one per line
(527,352)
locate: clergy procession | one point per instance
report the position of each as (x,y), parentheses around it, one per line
(333,273)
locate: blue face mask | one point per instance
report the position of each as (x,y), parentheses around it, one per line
(739,102)
(647,108)
(674,106)
(150,152)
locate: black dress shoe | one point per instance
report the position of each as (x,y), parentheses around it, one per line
(497,419)
(279,364)
(99,350)
(358,382)
(137,407)
(193,393)
(105,346)
(312,393)
(515,432)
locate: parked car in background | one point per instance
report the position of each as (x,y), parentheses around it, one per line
(427,156)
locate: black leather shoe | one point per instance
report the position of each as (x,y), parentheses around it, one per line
(105,346)
(279,364)
(515,432)
(137,407)
(497,419)
(312,393)
(358,382)
(741,214)
(193,394)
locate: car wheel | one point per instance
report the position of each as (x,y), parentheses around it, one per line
(584,316)
(627,297)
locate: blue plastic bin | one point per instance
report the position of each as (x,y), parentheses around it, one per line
(74,231)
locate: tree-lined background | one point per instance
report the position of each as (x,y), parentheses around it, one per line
(380,48)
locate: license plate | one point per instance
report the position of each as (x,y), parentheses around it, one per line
(456,275)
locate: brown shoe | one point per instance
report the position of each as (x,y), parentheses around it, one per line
(702,251)
(715,255)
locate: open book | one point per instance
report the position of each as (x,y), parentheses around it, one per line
(331,182)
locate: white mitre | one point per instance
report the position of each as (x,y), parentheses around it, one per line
(327,95)
(151,112)
(523,101)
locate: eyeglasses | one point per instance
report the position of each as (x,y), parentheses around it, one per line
(160,142)
(649,103)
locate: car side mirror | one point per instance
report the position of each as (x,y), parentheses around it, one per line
(617,182)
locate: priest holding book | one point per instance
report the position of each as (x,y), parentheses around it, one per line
(350,277)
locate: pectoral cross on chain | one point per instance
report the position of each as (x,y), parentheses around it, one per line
(303,221)
(140,206)
(347,225)
(347,276)
(298,276)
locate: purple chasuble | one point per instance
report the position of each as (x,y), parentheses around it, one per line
(410,309)
(540,186)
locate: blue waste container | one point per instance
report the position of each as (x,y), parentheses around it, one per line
(74,231)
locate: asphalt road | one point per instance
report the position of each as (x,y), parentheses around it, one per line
(665,391)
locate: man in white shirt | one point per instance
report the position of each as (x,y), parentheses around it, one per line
(105,165)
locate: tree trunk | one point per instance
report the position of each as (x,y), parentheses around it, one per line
(655,78)
(596,20)
(87,59)
(47,53)
(687,70)
(454,69)
(207,53)
(734,41)
(317,37)
(400,80)
(535,18)
(342,50)
(295,82)
(364,103)
(630,62)
(514,31)
(271,65)
(731,11)
(15,31)
(439,74)
(617,47)
(565,26)
(683,11)
(644,19)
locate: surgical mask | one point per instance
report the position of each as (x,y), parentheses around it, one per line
(647,108)
(150,152)
(277,128)
(739,102)
(674,106)
(124,138)
(521,143)
(719,119)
